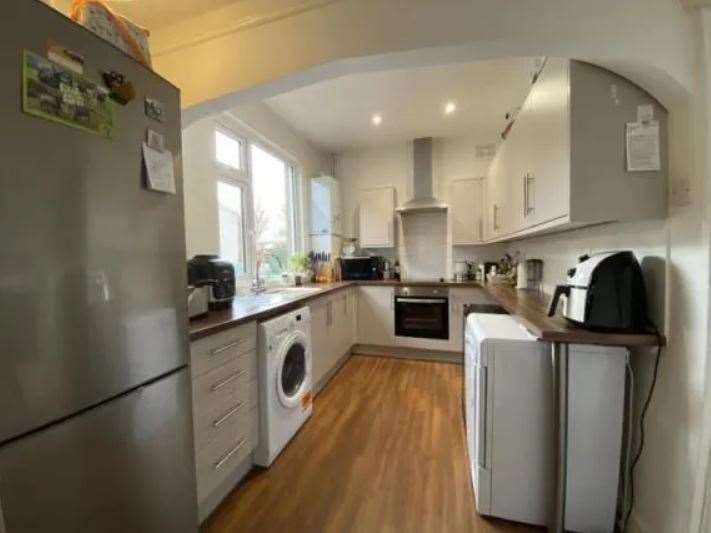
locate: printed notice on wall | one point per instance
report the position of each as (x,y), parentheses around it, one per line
(643,146)
(160,172)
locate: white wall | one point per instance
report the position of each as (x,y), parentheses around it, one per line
(259,124)
(423,241)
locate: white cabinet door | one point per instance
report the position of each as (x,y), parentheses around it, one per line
(548,134)
(496,194)
(466,208)
(320,338)
(376,315)
(377,208)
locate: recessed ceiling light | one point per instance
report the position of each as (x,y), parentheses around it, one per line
(377,119)
(450,108)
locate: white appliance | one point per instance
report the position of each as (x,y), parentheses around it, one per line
(509,419)
(285,398)
(509,416)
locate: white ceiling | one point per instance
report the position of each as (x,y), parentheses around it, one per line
(336,115)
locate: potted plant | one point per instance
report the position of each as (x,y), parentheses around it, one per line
(299,266)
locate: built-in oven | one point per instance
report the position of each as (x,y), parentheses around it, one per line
(422,312)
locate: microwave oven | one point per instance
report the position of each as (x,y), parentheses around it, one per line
(355,268)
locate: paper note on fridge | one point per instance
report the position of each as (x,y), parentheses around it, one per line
(160,172)
(643,146)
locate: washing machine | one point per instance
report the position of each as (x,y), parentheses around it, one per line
(285,397)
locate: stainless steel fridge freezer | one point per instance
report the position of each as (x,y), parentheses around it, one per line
(95,419)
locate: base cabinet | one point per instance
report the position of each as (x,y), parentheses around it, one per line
(376,315)
(333,322)
(225,415)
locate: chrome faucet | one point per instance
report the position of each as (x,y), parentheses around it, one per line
(258,286)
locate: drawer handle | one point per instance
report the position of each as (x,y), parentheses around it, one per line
(219,464)
(224,418)
(226,347)
(217,386)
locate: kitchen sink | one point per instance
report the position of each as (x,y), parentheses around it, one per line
(294,291)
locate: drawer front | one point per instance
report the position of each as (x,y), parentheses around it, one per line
(222,385)
(210,423)
(216,350)
(217,460)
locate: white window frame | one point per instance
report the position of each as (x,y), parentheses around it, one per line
(239,177)
(293,175)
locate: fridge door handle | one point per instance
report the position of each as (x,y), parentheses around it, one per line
(482,419)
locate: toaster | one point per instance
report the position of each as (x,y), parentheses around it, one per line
(605,292)
(218,275)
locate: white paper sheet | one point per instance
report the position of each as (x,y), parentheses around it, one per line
(643,146)
(160,172)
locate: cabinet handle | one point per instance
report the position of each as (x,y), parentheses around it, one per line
(224,418)
(226,347)
(525,194)
(481,229)
(529,209)
(219,464)
(217,386)
(496,217)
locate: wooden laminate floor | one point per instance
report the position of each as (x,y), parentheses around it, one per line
(383,452)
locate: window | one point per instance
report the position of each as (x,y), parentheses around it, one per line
(232,231)
(228,150)
(275,211)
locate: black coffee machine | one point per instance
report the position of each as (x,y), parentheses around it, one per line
(218,274)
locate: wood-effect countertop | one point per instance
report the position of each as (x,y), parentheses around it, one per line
(259,307)
(530,308)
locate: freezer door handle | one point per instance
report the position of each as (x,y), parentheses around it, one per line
(481,421)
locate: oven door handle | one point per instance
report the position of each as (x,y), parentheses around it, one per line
(420,300)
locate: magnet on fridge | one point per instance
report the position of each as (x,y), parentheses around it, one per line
(155,109)
(121,91)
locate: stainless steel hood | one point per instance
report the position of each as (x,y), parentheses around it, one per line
(422,188)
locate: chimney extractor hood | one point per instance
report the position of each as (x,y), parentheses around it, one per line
(422,192)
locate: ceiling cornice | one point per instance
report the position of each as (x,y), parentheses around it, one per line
(695,4)
(242,24)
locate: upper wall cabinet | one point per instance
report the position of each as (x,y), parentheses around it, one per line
(564,163)
(377,211)
(466,211)
(326,216)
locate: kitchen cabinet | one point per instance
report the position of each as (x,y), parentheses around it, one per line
(466,211)
(376,217)
(225,417)
(376,315)
(563,164)
(333,322)
(326,217)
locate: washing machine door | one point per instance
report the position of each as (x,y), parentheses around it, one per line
(293,376)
